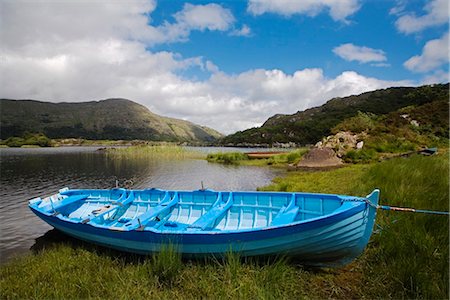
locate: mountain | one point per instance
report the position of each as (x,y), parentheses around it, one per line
(309,126)
(111,119)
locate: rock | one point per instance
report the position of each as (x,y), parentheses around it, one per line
(414,123)
(320,158)
(359,145)
(341,142)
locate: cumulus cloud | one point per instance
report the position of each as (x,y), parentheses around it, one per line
(224,102)
(436,15)
(339,10)
(197,17)
(244,31)
(50,53)
(351,52)
(56,21)
(435,53)
(438,76)
(27,23)
(201,17)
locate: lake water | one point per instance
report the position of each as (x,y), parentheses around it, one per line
(28,173)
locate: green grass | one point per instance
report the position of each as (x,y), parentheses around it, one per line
(337,181)
(28,140)
(407,258)
(228,158)
(66,271)
(410,257)
(160,151)
(85,142)
(239,158)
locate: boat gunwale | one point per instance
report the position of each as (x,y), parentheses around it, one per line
(200,236)
(346,206)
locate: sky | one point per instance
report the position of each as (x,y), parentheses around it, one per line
(226,64)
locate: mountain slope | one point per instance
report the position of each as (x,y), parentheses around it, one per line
(309,126)
(105,119)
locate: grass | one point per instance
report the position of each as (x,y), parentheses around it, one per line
(227,158)
(160,151)
(84,142)
(410,257)
(407,258)
(64,271)
(239,158)
(337,181)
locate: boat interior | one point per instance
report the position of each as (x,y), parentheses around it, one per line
(202,210)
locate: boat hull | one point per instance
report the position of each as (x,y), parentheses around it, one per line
(329,242)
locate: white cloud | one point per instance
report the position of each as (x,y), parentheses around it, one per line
(381,65)
(436,15)
(30,22)
(211,17)
(58,21)
(399,8)
(224,102)
(351,52)
(211,67)
(201,17)
(49,53)
(244,31)
(339,10)
(435,53)
(439,76)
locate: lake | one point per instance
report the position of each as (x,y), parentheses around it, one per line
(31,172)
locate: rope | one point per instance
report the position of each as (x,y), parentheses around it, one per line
(402,209)
(413,210)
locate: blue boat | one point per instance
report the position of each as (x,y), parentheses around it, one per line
(316,229)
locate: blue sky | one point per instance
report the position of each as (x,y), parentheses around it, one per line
(290,43)
(226,64)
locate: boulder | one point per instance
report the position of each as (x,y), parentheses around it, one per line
(342,142)
(320,158)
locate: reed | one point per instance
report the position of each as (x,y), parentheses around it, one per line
(160,151)
(166,264)
(410,256)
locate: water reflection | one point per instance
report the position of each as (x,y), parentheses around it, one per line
(27,173)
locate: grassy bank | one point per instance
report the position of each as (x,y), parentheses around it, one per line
(66,272)
(239,158)
(407,258)
(160,151)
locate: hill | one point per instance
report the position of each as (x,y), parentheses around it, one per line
(111,119)
(309,126)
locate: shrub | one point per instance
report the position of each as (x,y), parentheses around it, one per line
(15,142)
(357,124)
(360,156)
(34,139)
(227,158)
